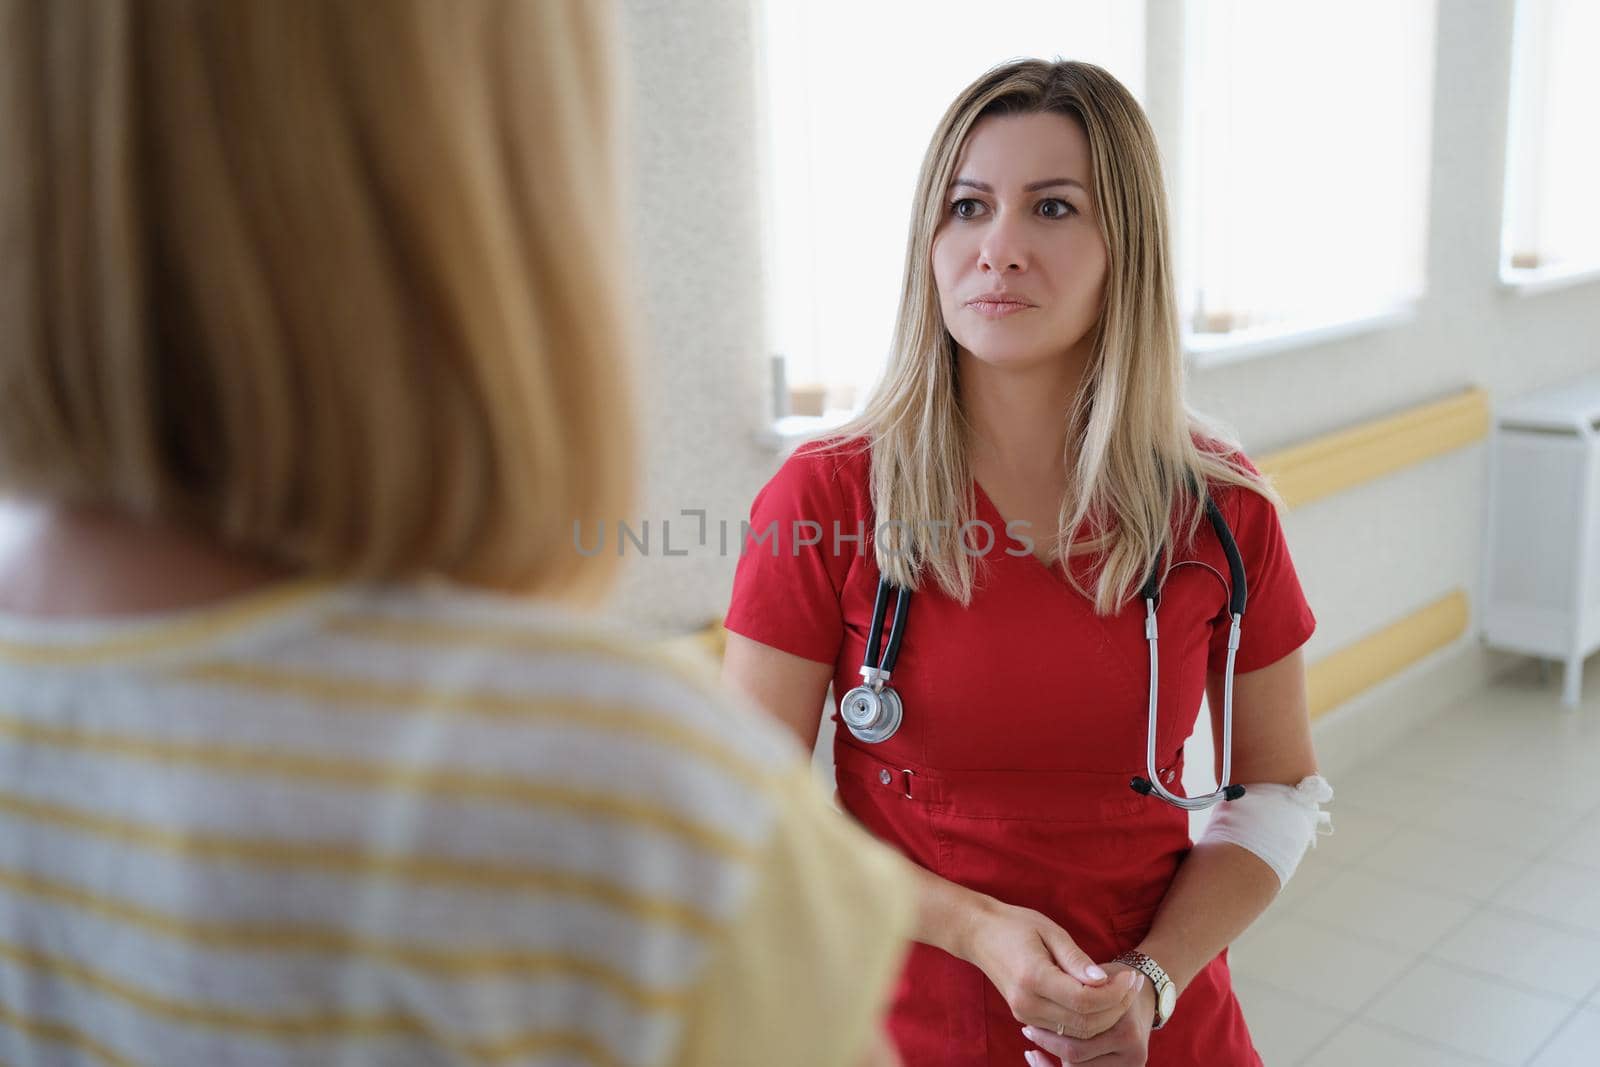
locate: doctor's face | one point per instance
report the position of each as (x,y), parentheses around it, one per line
(1018,259)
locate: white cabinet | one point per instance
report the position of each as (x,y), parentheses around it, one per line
(1542,565)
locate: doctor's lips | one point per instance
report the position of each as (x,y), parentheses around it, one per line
(999,304)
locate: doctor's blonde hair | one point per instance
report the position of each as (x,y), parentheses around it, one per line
(330,282)
(1131,444)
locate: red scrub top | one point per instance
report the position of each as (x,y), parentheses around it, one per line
(1025,719)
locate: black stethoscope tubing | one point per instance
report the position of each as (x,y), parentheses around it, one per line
(873,711)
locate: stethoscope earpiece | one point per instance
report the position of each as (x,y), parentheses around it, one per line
(1151,786)
(1141,784)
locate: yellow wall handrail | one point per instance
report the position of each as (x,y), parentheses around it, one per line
(1380,656)
(1338,461)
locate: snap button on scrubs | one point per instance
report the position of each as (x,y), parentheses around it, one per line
(1025,717)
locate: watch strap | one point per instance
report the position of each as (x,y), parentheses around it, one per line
(1158,980)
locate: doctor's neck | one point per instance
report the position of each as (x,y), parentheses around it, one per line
(1018,414)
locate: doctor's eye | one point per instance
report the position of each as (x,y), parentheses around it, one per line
(966,208)
(1056,208)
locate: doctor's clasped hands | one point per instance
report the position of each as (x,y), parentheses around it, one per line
(1125,1044)
(1045,978)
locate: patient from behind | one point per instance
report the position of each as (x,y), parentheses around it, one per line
(314,335)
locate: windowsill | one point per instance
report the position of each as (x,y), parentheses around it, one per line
(784,435)
(1546,279)
(787,433)
(1204,351)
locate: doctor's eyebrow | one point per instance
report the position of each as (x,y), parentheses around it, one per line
(1031,187)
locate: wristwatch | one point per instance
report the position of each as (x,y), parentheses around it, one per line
(1166,992)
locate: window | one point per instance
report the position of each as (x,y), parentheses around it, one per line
(854,91)
(1304,174)
(1299,179)
(1551,223)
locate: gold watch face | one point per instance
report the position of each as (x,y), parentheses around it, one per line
(1169,1000)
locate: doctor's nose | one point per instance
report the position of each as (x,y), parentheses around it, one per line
(1001,253)
(1003,265)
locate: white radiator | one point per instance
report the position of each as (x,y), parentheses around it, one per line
(1542,565)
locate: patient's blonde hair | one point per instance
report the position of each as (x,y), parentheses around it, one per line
(334,282)
(1131,442)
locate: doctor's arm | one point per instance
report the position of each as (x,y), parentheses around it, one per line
(1220,888)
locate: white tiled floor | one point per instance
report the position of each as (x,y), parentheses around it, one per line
(1453,918)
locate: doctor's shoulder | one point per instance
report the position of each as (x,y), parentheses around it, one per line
(762,924)
(829,475)
(1232,478)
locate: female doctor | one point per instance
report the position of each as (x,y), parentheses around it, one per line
(1026,478)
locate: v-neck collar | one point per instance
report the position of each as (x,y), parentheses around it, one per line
(1084,567)
(1002,539)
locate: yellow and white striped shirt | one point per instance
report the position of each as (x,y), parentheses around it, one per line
(349,825)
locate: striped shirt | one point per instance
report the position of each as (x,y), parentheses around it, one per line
(410,825)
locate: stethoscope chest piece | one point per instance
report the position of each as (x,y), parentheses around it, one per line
(872,715)
(872,710)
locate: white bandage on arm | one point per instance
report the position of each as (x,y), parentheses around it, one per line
(1274,821)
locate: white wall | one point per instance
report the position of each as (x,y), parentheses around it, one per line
(703,386)
(1367,557)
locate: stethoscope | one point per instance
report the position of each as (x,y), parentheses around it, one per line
(873,712)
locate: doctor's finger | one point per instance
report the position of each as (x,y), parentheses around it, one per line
(1069,957)
(1047,1015)
(1114,995)
(1108,1049)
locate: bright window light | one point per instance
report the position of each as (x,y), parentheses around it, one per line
(1552,213)
(1305,165)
